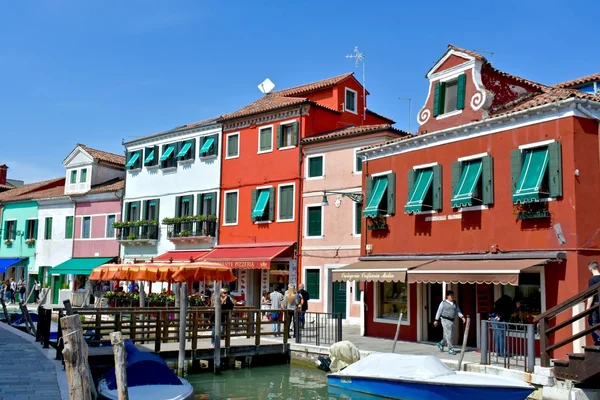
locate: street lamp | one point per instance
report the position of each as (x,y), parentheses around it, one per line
(355,197)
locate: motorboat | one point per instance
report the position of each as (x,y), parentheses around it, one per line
(148,378)
(408,377)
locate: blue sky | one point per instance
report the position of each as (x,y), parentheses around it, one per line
(97,72)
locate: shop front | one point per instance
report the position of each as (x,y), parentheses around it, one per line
(69,278)
(258,268)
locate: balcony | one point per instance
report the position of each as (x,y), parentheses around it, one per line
(191,229)
(138,233)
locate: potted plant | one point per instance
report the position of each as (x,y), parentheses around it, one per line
(184,234)
(531,210)
(30,241)
(8,242)
(377,222)
(131,237)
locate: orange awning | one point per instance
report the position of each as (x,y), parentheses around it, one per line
(156,272)
(257,256)
(181,256)
(503,272)
(204,271)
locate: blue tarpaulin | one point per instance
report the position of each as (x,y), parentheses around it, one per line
(8,262)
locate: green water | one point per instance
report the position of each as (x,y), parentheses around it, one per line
(281,382)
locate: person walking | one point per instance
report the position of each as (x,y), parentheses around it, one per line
(446,313)
(36,291)
(13,290)
(291,302)
(305,298)
(594,316)
(276,304)
(226,305)
(22,290)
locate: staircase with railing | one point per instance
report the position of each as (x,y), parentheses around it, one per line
(582,367)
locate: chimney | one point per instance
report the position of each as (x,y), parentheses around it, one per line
(3,173)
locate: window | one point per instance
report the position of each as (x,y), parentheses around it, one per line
(265,139)
(134,159)
(207,203)
(472,182)
(350,103)
(31,227)
(392,299)
(69,227)
(528,293)
(10,230)
(313,283)
(187,150)
(357,219)
(536,172)
(449,96)
(209,146)
(110,229)
(287,135)
(167,160)
(358,161)
(315,167)
(151,210)
(357,291)
(233,145)
(48,228)
(314,221)
(231,208)
(132,211)
(286,203)
(86,227)
(424,189)
(73,176)
(83,176)
(184,206)
(263,204)
(151,156)
(381,195)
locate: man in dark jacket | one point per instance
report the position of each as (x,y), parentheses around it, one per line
(305,298)
(226,305)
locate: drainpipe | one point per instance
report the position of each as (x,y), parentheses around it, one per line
(299,196)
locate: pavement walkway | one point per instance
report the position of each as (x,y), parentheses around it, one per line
(27,373)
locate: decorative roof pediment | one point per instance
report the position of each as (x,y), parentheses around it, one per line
(78,157)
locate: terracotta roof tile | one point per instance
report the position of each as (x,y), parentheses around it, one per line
(548,96)
(269,102)
(7,186)
(28,187)
(579,81)
(105,156)
(58,191)
(353,131)
(314,86)
(469,52)
(110,186)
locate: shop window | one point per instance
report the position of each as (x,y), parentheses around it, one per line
(392,299)
(529,294)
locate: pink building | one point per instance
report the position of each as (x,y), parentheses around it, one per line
(331,230)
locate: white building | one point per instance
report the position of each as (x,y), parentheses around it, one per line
(173,175)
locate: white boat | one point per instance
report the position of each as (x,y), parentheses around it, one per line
(408,377)
(148,378)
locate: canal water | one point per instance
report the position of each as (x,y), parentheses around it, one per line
(281,382)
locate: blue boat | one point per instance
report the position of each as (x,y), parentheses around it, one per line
(148,378)
(405,377)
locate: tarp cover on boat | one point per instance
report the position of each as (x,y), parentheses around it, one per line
(397,366)
(343,354)
(143,369)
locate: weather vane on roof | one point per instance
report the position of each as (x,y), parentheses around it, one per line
(358,59)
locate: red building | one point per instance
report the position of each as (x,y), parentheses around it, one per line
(495,195)
(261,177)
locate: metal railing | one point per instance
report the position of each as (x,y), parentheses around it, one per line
(318,328)
(192,229)
(140,232)
(508,344)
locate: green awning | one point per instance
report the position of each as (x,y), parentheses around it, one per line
(184,149)
(167,153)
(372,208)
(533,170)
(79,266)
(261,204)
(152,203)
(132,160)
(207,145)
(208,196)
(419,191)
(150,157)
(463,195)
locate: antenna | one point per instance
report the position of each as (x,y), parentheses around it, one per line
(360,58)
(491,53)
(266,86)
(409,110)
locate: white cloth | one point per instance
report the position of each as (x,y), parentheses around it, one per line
(343,354)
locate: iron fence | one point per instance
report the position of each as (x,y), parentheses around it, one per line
(511,345)
(317,328)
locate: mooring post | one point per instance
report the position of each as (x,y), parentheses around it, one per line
(142,295)
(116,339)
(75,354)
(464,343)
(5,312)
(183,305)
(397,333)
(530,347)
(68,308)
(217,326)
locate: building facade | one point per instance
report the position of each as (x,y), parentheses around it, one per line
(492,197)
(332,229)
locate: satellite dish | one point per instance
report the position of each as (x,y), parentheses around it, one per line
(266,86)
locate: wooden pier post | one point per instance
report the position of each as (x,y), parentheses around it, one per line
(183,307)
(75,354)
(5,312)
(217,326)
(116,339)
(28,321)
(464,343)
(142,295)
(397,333)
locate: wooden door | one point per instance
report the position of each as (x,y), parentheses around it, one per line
(339,298)
(434,298)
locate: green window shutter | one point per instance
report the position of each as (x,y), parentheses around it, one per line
(157,216)
(230,208)
(368,189)
(146,209)
(83,175)
(286,202)
(391,193)
(200,204)
(14,230)
(437,99)
(191,209)
(487,180)
(215,149)
(315,167)
(253,202)
(178,206)
(74,176)
(461,90)
(313,283)
(295,133)
(69,228)
(48,228)
(555,169)
(437,187)
(280,136)
(35,229)
(314,221)
(516,163)
(357,218)
(410,182)
(456,171)
(271,204)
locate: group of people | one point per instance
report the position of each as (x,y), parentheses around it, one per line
(291,300)
(12,291)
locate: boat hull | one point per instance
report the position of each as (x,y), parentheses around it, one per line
(405,390)
(151,392)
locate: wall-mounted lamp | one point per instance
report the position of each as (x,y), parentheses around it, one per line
(355,197)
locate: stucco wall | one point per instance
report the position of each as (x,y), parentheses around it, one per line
(58,249)
(20,212)
(97,245)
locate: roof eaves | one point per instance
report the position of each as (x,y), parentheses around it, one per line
(183,128)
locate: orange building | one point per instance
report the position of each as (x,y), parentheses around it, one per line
(261,177)
(494,196)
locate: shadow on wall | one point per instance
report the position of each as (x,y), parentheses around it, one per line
(422,226)
(471,220)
